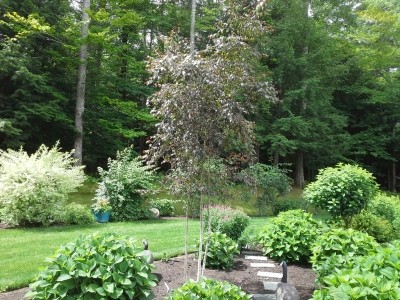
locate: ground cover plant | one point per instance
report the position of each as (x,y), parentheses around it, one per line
(34,188)
(98,266)
(289,236)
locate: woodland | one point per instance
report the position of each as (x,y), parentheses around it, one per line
(324,77)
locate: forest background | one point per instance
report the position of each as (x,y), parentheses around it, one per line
(334,65)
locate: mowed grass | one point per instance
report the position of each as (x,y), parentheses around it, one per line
(23,251)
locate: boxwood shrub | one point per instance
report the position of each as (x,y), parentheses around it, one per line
(100,266)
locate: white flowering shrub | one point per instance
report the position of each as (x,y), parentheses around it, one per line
(34,188)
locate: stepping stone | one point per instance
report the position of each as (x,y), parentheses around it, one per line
(249,252)
(262,265)
(269,274)
(264,297)
(255,257)
(270,286)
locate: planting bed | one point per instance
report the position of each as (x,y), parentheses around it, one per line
(171,273)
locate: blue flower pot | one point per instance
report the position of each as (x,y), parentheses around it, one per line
(102,217)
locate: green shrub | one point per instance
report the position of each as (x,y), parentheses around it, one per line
(124,184)
(227,220)
(248,239)
(289,236)
(373,225)
(281,205)
(2,214)
(34,188)
(221,252)
(374,276)
(337,242)
(387,207)
(106,266)
(209,289)
(343,191)
(269,181)
(76,214)
(164,206)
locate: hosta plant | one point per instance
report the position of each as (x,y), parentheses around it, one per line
(289,236)
(221,251)
(100,266)
(209,289)
(226,220)
(34,188)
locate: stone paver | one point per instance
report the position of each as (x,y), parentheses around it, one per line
(270,286)
(269,274)
(255,257)
(264,297)
(251,252)
(262,265)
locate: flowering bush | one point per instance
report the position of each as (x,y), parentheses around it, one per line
(34,188)
(226,220)
(101,205)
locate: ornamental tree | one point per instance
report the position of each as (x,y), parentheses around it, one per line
(343,191)
(204,100)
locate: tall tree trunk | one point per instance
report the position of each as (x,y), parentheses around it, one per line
(299,173)
(81,86)
(276,158)
(192,27)
(394,179)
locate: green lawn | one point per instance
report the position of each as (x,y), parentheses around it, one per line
(23,250)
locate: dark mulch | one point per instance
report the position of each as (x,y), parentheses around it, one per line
(172,276)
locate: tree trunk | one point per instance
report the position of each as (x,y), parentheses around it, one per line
(81,86)
(299,176)
(192,27)
(276,158)
(394,179)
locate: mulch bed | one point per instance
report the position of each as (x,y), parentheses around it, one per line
(172,276)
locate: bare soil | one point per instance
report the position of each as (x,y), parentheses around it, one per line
(171,274)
